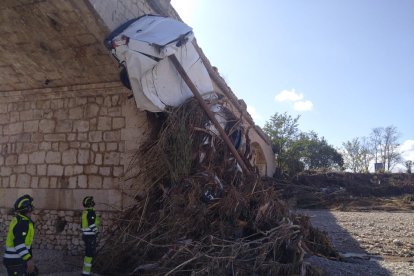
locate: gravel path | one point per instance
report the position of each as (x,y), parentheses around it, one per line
(373,243)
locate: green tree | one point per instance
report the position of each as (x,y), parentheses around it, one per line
(295,150)
(351,155)
(282,130)
(318,154)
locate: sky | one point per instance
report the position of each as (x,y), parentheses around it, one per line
(345,67)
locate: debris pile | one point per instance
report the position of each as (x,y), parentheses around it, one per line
(197,213)
(348,191)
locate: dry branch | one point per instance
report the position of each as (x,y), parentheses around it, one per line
(201,215)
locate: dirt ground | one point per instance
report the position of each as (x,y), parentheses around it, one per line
(371,243)
(53,263)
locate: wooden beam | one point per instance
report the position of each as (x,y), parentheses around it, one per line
(210,114)
(227,92)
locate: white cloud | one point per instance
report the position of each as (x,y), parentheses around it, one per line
(303,105)
(252,111)
(299,104)
(289,95)
(407,150)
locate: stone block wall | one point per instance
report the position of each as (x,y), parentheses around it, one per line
(62,144)
(59,230)
(117,12)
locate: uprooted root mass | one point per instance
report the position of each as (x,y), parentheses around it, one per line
(195,213)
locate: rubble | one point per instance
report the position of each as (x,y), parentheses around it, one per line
(197,213)
(199,206)
(348,191)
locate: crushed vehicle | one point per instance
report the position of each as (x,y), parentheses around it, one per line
(197,208)
(142,46)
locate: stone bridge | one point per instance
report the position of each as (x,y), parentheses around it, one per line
(67,128)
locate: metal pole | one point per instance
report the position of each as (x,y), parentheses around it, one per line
(203,104)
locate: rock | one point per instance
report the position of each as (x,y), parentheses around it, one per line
(397,242)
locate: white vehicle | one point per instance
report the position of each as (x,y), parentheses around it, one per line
(142,46)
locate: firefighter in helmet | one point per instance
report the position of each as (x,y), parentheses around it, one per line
(90,230)
(18,258)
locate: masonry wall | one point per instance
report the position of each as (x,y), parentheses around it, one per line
(115,12)
(62,144)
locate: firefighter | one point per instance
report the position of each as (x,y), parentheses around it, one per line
(90,226)
(18,258)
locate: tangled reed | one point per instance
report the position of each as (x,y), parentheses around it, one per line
(196,213)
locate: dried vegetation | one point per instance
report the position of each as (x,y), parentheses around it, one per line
(196,213)
(348,191)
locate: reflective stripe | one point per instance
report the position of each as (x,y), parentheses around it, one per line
(11,256)
(24,235)
(20,246)
(20,204)
(13,249)
(90,221)
(24,252)
(86,264)
(89,232)
(12,253)
(86,272)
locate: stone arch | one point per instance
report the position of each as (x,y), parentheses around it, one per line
(258,158)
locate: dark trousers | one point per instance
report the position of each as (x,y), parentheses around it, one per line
(90,252)
(90,245)
(15,267)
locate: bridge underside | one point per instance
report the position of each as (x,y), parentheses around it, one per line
(67,128)
(52,44)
